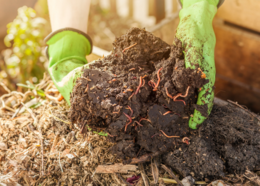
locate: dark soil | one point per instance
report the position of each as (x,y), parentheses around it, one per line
(228,142)
(123,85)
(113,80)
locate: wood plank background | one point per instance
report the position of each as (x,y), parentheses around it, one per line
(245,13)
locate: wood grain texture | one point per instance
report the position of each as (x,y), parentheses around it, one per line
(241,12)
(237,54)
(237,60)
(117,168)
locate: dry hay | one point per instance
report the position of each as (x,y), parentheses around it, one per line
(39,146)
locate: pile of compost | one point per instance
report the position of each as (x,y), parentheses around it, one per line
(143,96)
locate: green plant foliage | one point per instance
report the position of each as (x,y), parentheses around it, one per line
(25,35)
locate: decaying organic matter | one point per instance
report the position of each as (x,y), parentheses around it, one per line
(228,142)
(142,96)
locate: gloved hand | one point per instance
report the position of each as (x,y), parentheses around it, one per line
(67,50)
(196,32)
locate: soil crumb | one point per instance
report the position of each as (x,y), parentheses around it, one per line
(142,96)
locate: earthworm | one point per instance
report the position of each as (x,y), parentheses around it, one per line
(131,96)
(128,90)
(138,123)
(186,140)
(151,83)
(181,101)
(167,113)
(111,135)
(186,94)
(144,119)
(159,79)
(130,121)
(129,47)
(155,135)
(169,136)
(137,90)
(130,110)
(179,95)
(167,93)
(143,83)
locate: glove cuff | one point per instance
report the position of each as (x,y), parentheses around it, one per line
(219,3)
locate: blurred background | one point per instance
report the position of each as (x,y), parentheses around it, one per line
(25,23)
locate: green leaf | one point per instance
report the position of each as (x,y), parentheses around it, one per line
(25,34)
(100,133)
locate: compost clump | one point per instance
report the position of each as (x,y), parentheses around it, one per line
(142,96)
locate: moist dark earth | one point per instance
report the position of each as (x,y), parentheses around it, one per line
(142,96)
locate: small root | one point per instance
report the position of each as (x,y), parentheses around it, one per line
(116,112)
(131,69)
(86,90)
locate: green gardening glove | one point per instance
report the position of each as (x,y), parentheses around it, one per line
(198,38)
(67,50)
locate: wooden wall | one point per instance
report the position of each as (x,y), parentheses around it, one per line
(245,13)
(237,59)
